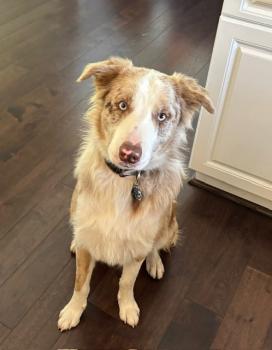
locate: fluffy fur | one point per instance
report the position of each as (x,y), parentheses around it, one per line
(108,224)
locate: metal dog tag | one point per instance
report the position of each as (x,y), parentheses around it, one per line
(136,192)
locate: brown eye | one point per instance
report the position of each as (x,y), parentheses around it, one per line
(122,105)
(162,117)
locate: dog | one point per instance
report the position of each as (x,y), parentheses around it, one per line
(129,173)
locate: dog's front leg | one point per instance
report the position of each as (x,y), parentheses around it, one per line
(70,315)
(128,308)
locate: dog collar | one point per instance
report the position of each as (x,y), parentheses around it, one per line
(136,191)
(123,172)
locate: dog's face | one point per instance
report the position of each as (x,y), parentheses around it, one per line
(141,112)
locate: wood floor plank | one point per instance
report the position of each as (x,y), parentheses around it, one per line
(45,8)
(46,44)
(35,113)
(32,229)
(4,332)
(267,344)
(202,74)
(30,280)
(193,327)
(69,180)
(223,269)
(183,55)
(38,328)
(51,162)
(32,189)
(261,257)
(11,74)
(16,8)
(247,324)
(108,41)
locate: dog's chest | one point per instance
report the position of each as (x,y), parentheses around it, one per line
(107,229)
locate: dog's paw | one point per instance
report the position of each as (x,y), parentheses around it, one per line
(69,316)
(129,313)
(154,266)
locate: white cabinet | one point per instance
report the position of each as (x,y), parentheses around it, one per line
(233,148)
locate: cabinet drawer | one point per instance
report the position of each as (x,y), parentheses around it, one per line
(258,11)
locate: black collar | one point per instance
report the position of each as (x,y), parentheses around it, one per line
(123,172)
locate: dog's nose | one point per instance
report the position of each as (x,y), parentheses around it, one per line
(130,153)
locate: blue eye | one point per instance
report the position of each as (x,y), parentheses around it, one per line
(162,117)
(123,105)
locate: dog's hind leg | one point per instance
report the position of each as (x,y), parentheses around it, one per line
(70,315)
(154,265)
(169,235)
(73,247)
(128,308)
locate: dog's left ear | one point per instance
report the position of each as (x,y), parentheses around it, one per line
(192,93)
(105,71)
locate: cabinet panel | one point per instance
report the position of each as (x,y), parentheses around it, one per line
(235,145)
(259,11)
(244,134)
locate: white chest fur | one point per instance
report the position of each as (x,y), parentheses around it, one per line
(105,226)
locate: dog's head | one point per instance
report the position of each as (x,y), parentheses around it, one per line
(141,113)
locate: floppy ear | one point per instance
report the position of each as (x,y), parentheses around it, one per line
(105,71)
(192,93)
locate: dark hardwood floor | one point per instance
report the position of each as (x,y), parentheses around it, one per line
(217,290)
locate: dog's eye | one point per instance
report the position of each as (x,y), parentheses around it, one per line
(162,117)
(122,105)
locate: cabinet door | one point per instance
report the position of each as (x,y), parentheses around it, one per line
(233,147)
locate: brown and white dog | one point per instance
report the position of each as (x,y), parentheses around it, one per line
(129,173)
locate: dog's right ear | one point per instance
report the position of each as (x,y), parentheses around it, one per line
(105,71)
